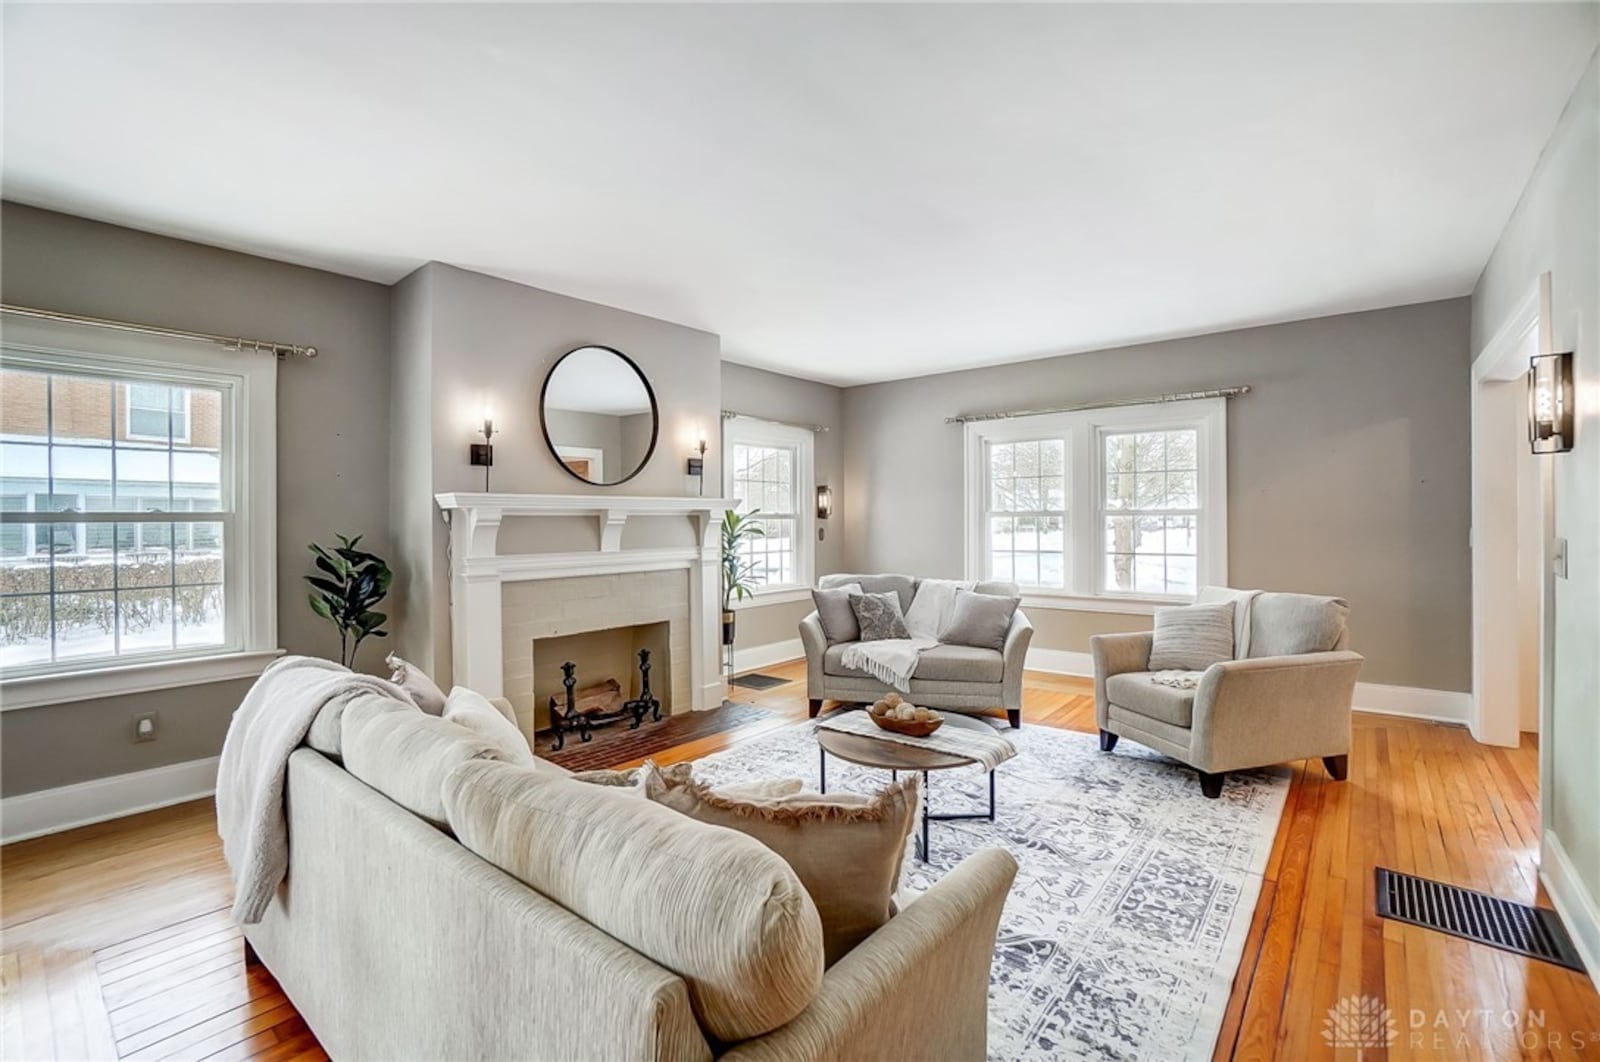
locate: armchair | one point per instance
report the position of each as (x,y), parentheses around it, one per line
(1249,712)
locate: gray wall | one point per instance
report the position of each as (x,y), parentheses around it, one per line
(1556,228)
(1348,469)
(768,394)
(333,432)
(490,339)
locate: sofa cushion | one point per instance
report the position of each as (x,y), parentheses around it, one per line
(405,754)
(720,909)
(471,709)
(980,620)
(408,676)
(998,587)
(838,619)
(880,616)
(903,585)
(960,663)
(1192,637)
(1288,624)
(846,851)
(1134,691)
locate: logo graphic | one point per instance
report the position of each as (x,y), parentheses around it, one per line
(1359,1022)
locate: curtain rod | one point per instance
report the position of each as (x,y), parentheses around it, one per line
(259,346)
(728,414)
(1177,396)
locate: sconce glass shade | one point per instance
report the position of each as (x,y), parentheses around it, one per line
(824,503)
(1551,403)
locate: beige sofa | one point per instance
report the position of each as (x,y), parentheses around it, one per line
(1262,708)
(957,678)
(394,940)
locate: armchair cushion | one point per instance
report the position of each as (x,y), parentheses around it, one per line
(1135,692)
(1290,624)
(1192,637)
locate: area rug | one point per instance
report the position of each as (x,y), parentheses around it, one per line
(616,743)
(1125,926)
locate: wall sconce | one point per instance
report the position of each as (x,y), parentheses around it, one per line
(824,503)
(695,469)
(483,453)
(1551,403)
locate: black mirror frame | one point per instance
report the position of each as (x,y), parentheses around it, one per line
(655,415)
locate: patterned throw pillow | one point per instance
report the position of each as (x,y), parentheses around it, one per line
(1192,638)
(879,616)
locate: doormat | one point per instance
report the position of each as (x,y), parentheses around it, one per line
(755,680)
(617,744)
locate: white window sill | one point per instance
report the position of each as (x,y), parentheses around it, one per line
(1121,606)
(62,687)
(786,595)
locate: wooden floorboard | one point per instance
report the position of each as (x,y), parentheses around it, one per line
(116,941)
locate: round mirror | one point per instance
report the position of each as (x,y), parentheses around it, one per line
(599,415)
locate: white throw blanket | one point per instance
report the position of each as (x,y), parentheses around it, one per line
(1178,680)
(893,661)
(270,724)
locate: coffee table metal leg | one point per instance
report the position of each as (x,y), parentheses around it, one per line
(927,809)
(991,796)
(823,771)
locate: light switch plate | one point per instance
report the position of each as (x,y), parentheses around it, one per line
(1558,558)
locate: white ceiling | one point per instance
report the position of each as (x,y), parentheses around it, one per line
(843,193)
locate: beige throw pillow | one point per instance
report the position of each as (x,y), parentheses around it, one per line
(471,709)
(429,697)
(1192,637)
(846,850)
(715,907)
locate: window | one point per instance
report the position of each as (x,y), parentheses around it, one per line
(1126,503)
(157,412)
(136,510)
(769,472)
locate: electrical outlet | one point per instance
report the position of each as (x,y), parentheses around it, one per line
(1558,559)
(144,727)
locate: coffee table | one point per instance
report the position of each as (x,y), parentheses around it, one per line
(896,756)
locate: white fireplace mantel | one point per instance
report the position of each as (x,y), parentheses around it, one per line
(478,570)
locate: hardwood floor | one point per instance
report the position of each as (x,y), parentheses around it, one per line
(117,940)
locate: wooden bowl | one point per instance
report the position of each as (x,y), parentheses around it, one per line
(909,727)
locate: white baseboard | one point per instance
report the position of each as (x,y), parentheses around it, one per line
(53,810)
(1573,902)
(1060,662)
(760,656)
(1414,702)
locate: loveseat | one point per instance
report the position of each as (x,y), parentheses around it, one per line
(959,678)
(394,939)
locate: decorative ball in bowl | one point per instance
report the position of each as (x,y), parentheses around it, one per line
(902,717)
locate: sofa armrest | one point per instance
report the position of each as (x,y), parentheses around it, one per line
(1272,709)
(916,988)
(816,647)
(1015,653)
(1116,654)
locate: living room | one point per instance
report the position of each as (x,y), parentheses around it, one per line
(1175,425)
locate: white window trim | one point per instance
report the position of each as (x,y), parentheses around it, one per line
(752,432)
(1082,431)
(249,386)
(188,419)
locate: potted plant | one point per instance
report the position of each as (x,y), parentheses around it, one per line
(350,583)
(737,529)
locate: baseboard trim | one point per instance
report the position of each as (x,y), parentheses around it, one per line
(67,807)
(1060,662)
(1573,902)
(1414,702)
(759,656)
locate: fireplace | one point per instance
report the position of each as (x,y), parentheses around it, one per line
(610,654)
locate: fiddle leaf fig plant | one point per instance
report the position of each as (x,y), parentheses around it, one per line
(348,585)
(737,529)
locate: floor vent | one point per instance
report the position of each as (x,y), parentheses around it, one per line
(1536,932)
(757,681)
